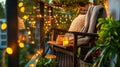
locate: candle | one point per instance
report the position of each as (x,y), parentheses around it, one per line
(65,41)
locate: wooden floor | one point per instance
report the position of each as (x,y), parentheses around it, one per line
(66,61)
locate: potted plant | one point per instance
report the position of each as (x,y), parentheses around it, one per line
(108,43)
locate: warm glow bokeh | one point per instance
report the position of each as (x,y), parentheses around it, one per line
(9,50)
(29,32)
(21,45)
(20,4)
(25,17)
(33,42)
(3,26)
(32,65)
(22,9)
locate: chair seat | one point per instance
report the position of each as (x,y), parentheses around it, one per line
(65,49)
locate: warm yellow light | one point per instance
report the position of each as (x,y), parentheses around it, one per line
(45,15)
(32,65)
(25,17)
(33,22)
(29,32)
(3,26)
(36,54)
(49,11)
(65,41)
(40,16)
(22,9)
(34,7)
(20,4)
(21,45)
(30,22)
(40,51)
(33,42)
(45,6)
(9,50)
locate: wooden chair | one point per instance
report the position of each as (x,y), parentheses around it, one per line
(84,39)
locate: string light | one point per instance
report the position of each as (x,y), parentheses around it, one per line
(25,17)
(33,22)
(3,26)
(22,9)
(34,7)
(20,4)
(29,32)
(33,42)
(21,45)
(45,15)
(32,65)
(9,50)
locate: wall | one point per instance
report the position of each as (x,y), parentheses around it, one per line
(113,8)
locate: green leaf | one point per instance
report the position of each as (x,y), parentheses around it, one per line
(101,21)
(101,58)
(103,51)
(79,50)
(96,62)
(112,58)
(118,61)
(115,32)
(89,52)
(48,62)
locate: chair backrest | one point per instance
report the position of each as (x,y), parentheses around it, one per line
(97,12)
(94,12)
(92,16)
(87,23)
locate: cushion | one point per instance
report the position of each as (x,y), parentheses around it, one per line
(77,23)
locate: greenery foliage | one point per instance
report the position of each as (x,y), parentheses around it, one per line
(69,2)
(2,12)
(108,42)
(45,62)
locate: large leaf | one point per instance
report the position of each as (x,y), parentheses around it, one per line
(103,51)
(118,60)
(93,49)
(48,62)
(101,58)
(101,21)
(113,59)
(96,62)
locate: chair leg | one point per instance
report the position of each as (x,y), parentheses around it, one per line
(75,61)
(75,52)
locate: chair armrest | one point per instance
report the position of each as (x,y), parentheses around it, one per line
(76,33)
(83,33)
(54,30)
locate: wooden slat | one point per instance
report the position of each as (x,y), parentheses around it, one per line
(63,51)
